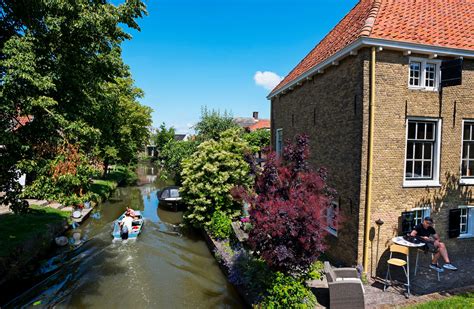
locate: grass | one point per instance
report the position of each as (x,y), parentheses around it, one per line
(454,302)
(120,176)
(16,229)
(103,187)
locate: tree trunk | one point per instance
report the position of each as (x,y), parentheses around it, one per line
(106,167)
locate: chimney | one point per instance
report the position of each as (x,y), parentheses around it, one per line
(255,115)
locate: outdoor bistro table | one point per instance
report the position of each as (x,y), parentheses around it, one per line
(399,240)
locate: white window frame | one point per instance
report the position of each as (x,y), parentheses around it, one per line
(470,222)
(434,182)
(464,180)
(279,141)
(423,62)
(425,212)
(332,210)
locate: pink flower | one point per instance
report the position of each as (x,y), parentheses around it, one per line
(245,220)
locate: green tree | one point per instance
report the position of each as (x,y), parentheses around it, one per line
(163,136)
(173,154)
(123,122)
(56,60)
(212,124)
(211,173)
(258,139)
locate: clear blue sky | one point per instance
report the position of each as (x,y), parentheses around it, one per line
(194,53)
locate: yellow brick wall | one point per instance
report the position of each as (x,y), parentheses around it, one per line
(333,109)
(329,109)
(389,197)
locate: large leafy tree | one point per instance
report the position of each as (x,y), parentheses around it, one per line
(213,123)
(173,154)
(60,64)
(123,122)
(163,136)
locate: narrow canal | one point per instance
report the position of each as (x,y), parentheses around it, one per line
(164,268)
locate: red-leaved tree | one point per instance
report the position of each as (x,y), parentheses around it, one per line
(288,212)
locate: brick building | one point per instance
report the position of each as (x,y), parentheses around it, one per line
(369,97)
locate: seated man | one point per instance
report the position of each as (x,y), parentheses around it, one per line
(427,234)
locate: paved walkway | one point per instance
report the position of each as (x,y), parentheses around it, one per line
(425,286)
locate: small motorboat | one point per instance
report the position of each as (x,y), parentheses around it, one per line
(169,198)
(137,226)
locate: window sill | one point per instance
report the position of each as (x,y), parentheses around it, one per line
(427,89)
(465,236)
(466,181)
(331,231)
(420,183)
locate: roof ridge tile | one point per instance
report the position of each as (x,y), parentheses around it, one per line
(370,21)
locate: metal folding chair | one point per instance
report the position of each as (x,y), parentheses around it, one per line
(405,264)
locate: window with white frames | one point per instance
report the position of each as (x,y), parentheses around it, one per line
(424,74)
(279,141)
(463,222)
(422,152)
(466,221)
(415,70)
(467,158)
(409,219)
(420,214)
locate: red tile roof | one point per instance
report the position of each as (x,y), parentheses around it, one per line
(261,124)
(444,23)
(21,121)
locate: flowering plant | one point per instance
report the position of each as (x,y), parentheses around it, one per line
(288,212)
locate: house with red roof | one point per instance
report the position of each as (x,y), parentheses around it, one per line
(253,123)
(387,99)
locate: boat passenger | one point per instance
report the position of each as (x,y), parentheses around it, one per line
(131,212)
(126,226)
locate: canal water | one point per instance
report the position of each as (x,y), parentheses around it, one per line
(164,268)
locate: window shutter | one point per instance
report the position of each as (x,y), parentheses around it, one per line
(454,223)
(408,222)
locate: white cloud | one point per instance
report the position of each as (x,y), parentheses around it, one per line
(267,80)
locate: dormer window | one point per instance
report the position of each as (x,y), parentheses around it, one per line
(424,74)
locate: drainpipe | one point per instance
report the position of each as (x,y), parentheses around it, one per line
(368,197)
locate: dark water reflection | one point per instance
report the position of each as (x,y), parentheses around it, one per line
(162,269)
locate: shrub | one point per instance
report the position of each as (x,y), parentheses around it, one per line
(123,175)
(315,271)
(250,272)
(210,174)
(258,139)
(65,179)
(288,214)
(173,154)
(220,226)
(288,292)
